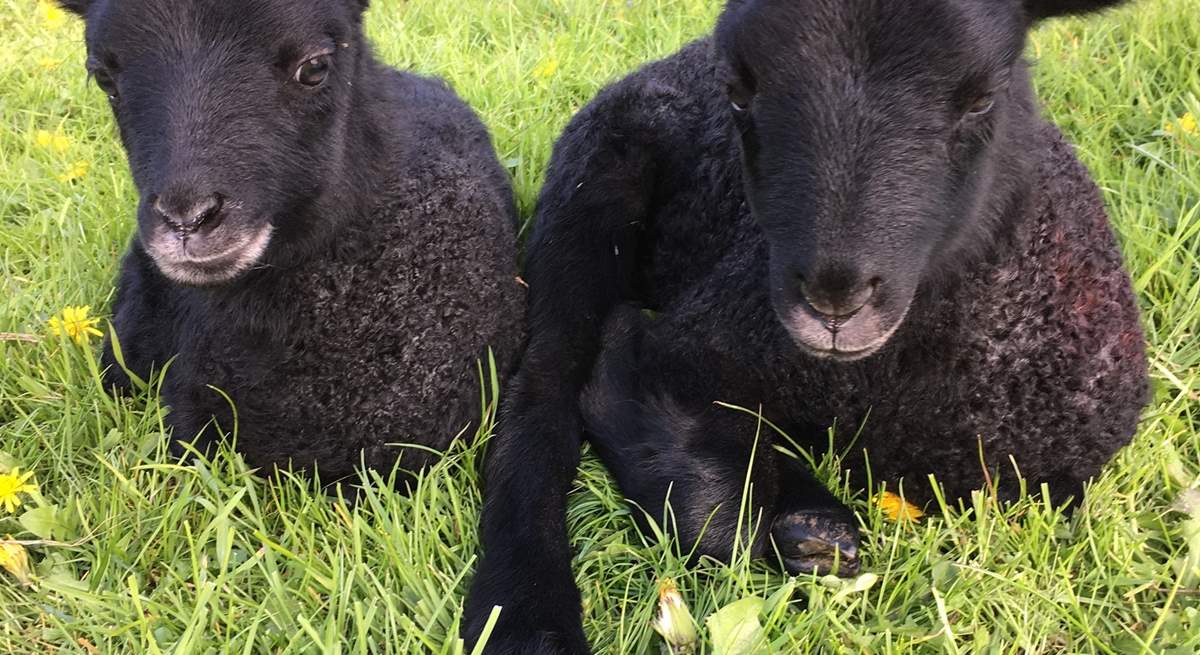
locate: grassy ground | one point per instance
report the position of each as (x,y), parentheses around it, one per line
(135,554)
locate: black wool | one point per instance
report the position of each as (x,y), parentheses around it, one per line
(845,213)
(325,246)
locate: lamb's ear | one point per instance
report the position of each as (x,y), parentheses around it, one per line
(76,6)
(1039,9)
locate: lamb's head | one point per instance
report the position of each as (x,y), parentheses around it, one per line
(234,117)
(880,143)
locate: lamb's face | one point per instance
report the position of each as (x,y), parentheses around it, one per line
(232,114)
(871,134)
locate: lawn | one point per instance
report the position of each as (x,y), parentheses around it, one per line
(133,552)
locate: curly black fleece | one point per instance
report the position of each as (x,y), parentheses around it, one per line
(1033,352)
(1025,345)
(369,343)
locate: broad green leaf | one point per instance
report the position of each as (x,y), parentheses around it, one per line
(45,522)
(7,462)
(780,598)
(736,630)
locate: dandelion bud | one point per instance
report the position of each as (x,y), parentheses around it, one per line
(15,560)
(674,622)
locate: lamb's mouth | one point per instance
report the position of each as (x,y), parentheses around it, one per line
(850,339)
(186,259)
(842,355)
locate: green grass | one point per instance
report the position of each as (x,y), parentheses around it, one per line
(135,553)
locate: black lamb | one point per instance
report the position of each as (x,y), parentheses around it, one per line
(845,212)
(325,246)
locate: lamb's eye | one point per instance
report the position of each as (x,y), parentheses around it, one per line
(739,98)
(312,72)
(105,81)
(982,105)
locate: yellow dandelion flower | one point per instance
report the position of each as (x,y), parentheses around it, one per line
(55,140)
(12,485)
(15,559)
(48,63)
(54,15)
(897,509)
(74,323)
(1185,125)
(546,69)
(75,171)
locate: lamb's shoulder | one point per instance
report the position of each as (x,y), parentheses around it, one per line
(656,148)
(664,108)
(1063,289)
(438,252)
(427,119)
(1050,335)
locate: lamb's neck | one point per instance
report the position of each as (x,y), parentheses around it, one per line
(1002,231)
(366,146)
(358,167)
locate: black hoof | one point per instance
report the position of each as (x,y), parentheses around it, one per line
(820,541)
(543,619)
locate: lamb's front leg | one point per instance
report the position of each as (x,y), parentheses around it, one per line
(813,530)
(688,462)
(141,323)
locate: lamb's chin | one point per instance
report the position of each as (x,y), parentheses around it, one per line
(838,355)
(210,269)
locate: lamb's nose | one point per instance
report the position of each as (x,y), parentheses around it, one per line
(839,305)
(187,215)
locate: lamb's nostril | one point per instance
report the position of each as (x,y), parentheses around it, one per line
(843,305)
(188,216)
(207,209)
